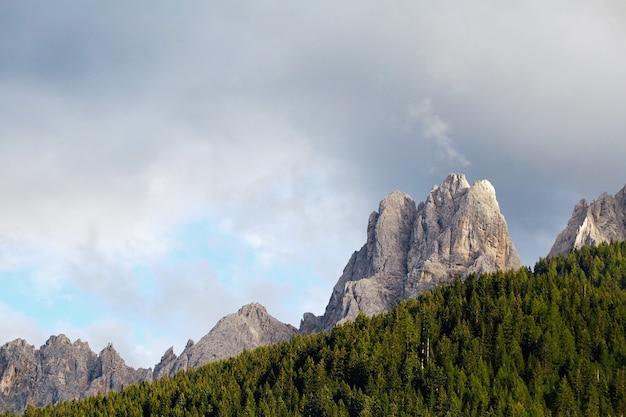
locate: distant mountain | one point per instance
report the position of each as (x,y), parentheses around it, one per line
(61,370)
(458,230)
(249,328)
(604,220)
(58,371)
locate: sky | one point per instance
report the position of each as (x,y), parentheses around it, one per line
(164,163)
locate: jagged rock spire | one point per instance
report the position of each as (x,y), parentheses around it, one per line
(458,229)
(60,370)
(604,220)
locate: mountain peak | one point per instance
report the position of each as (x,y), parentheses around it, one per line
(458,230)
(395,197)
(454,182)
(602,220)
(484,185)
(59,370)
(60,339)
(250,327)
(252,309)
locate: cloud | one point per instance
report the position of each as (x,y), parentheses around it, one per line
(432,127)
(15,325)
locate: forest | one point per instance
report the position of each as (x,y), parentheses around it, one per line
(544,342)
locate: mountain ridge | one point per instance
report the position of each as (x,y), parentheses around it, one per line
(602,220)
(547,341)
(406,249)
(410,248)
(60,370)
(252,326)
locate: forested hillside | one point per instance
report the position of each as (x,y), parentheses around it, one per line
(526,343)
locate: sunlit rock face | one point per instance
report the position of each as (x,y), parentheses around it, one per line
(604,220)
(458,230)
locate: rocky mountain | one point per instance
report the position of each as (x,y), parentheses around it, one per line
(252,326)
(604,220)
(62,370)
(410,248)
(58,371)
(458,230)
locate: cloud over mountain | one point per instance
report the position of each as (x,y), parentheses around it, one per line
(267,129)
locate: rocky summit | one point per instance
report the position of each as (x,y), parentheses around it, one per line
(58,371)
(252,326)
(604,220)
(61,370)
(458,230)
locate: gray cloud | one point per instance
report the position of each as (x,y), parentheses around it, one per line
(286,123)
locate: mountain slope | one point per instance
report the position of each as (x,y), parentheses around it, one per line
(604,220)
(529,343)
(458,230)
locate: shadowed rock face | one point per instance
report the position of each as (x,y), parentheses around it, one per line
(60,370)
(458,230)
(604,220)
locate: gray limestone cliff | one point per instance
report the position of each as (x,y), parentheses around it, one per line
(252,326)
(458,230)
(604,220)
(59,370)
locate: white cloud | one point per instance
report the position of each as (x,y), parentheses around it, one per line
(16,325)
(432,127)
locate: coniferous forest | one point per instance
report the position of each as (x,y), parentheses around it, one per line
(548,342)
